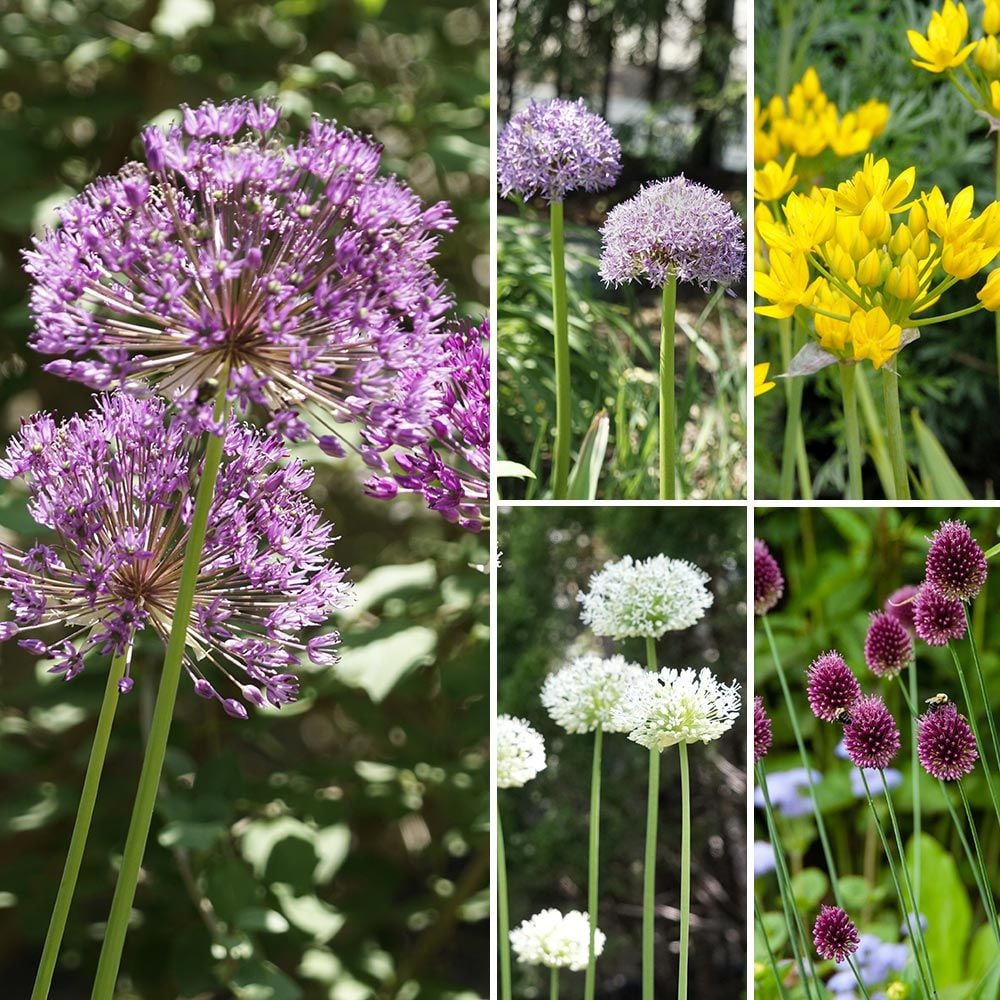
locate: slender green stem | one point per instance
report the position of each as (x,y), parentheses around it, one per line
(651,653)
(786,39)
(503,914)
(554,985)
(156,747)
(984,694)
(81,829)
(593,867)
(560,333)
(857,976)
(668,401)
(796,730)
(958,314)
(682,972)
(894,431)
(912,703)
(762,930)
(976,859)
(852,431)
(649,880)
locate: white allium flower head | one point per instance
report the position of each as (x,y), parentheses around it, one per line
(680,706)
(520,752)
(629,599)
(559,941)
(589,691)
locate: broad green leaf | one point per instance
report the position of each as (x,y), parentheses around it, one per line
(191,835)
(384,582)
(988,988)
(309,913)
(942,481)
(586,474)
(515,470)
(256,980)
(809,886)
(378,666)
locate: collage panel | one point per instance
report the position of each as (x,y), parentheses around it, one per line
(621,752)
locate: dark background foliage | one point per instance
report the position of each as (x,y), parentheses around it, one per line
(340,848)
(548,557)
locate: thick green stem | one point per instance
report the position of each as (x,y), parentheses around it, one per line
(156,747)
(894,431)
(560,333)
(649,880)
(81,830)
(554,985)
(852,430)
(668,402)
(590,985)
(793,414)
(503,912)
(682,971)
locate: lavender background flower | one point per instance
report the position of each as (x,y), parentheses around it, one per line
(830,686)
(676,225)
(871,738)
(768,583)
(946,744)
(555,147)
(876,961)
(789,791)
(956,565)
(114,488)
(900,605)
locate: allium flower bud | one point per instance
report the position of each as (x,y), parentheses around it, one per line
(956,566)
(937,619)
(871,738)
(589,692)
(768,583)
(556,940)
(900,605)
(520,752)
(762,735)
(946,744)
(888,646)
(831,686)
(834,934)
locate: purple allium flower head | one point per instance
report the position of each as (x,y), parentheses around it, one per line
(115,488)
(294,268)
(761,730)
(768,583)
(834,934)
(452,471)
(956,566)
(900,605)
(555,147)
(831,686)
(871,738)
(946,745)
(888,646)
(937,618)
(673,225)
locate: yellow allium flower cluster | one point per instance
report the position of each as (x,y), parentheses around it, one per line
(944,47)
(868,260)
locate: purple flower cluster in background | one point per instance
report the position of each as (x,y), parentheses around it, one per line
(888,646)
(762,735)
(768,583)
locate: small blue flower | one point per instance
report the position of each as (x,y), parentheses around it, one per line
(789,792)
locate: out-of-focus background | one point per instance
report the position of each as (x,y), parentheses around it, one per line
(671,80)
(337,850)
(549,555)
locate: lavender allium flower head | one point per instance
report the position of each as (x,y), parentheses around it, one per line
(888,646)
(834,934)
(673,226)
(871,738)
(555,147)
(762,736)
(556,940)
(115,486)
(946,744)
(589,691)
(956,565)
(900,605)
(452,470)
(629,599)
(768,583)
(937,619)
(292,270)
(831,686)
(520,752)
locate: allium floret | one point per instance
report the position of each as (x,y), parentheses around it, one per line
(956,565)
(762,735)
(871,737)
(556,940)
(946,744)
(831,686)
(888,646)
(768,583)
(520,752)
(835,935)
(936,618)
(589,692)
(115,488)
(644,599)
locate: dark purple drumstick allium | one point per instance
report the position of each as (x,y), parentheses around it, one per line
(292,269)
(453,470)
(768,583)
(956,565)
(946,745)
(871,737)
(937,619)
(834,934)
(900,605)
(831,686)
(555,147)
(888,646)
(762,735)
(114,487)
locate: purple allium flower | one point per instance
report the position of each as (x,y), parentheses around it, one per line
(937,618)
(768,583)
(555,147)
(831,686)
(461,424)
(888,646)
(871,738)
(900,605)
(834,934)
(673,225)
(946,745)
(762,735)
(115,488)
(294,268)
(956,566)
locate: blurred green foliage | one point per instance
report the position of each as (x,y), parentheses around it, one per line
(338,850)
(549,555)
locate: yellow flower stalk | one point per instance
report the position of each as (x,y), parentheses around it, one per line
(944,46)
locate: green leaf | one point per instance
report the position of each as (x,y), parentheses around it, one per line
(988,988)
(192,835)
(983,955)
(176,18)
(309,914)
(256,980)
(585,477)
(809,886)
(378,666)
(384,582)
(943,482)
(514,470)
